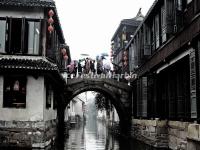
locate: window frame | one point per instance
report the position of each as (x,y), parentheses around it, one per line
(4,50)
(11,96)
(8,36)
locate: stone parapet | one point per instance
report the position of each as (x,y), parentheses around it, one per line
(176,135)
(193,137)
(152,132)
(27,133)
(177,131)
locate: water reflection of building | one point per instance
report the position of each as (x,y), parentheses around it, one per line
(110,118)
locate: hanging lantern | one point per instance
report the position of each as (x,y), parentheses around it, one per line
(125,58)
(125,53)
(16,86)
(50,28)
(111,54)
(65,57)
(125,63)
(63,51)
(51,13)
(50,20)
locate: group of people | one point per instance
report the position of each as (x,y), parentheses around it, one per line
(89,66)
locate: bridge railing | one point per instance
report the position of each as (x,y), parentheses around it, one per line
(119,77)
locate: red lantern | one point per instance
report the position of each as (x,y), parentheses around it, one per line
(125,63)
(50,28)
(125,53)
(63,51)
(125,58)
(65,57)
(50,20)
(51,13)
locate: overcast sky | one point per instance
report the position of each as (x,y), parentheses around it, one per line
(89,25)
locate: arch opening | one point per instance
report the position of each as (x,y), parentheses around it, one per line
(124,116)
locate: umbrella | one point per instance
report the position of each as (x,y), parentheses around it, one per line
(104,54)
(84,54)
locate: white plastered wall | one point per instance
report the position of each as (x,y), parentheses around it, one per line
(34,102)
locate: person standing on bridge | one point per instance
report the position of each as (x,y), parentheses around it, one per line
(87,65)
(92,66)
(79,68)
(99,65)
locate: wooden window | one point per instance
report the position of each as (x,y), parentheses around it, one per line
(22,36)
(193,95)
(170,16)
(33,36)
(157,31)
(14,92)
(142,97)
(163,24)
(15,35)
(147,41)
(153,37)
(2,35)
(150,96)
(197,6)
(132,57)
(49,95)
(179,5)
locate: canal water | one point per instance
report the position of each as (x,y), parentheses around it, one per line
(95,136)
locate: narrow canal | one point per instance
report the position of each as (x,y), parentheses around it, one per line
(95,136)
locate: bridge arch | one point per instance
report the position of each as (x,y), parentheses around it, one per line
(118,93)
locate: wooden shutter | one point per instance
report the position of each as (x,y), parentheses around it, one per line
(196,6)
(147,46)
(180,88)
(150,96)
(23,36)
(193,96)
(3,35)
(172,94)
(139,101)
(9,34)
(131,57)
(41,47)
(170,16)
(144,96)
(157,31)
(178,15)
(153,36)
(163,24)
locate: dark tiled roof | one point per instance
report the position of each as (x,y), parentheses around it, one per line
(26,63)
(131,22)
(28,3)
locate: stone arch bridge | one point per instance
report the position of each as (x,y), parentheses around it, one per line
(118,93)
